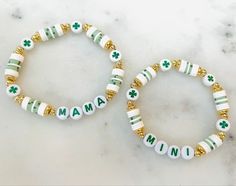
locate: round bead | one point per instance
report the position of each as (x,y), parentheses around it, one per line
(76,113)
(132,94)
(89,108)
(161,147)
(209,80)
(100,102)
(27,43)
(115,56)
(187,152)
(150,140)
(173,152)
(223,125)
(13,90)
(165,64)
(63,113)
(76,27)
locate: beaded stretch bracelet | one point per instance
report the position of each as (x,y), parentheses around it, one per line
(43,109)
(160,146)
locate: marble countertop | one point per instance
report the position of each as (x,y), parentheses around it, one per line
(102,149)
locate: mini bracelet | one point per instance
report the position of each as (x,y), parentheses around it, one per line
(160,146)
(43,109)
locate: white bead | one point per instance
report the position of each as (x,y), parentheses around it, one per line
(132,94)
(13,90)
(63,113)
(150,140)
(89,108)
(188,68)
(90,31)
(161,147)
(104,40)
(100,102)
(25,102)
(173,152)
(41,109)
(209,80)
(115,56)
(221,100)
(187,152)
(76,113)
(165,64)
(76,27)
(17,57)
(146,75)
(223,125)
(27,43)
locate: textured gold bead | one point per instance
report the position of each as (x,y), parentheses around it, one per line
(201,72)
(140,132)
(86,27)
(176,63)
(131,105)
(50,111)
(156,67)
(19,99)
(199,151)
(136,84)
(36,37)
(20,50)
(10,80)
(221,135)
(119,65)
(223,113)
(216,87)
(109,45)
(65,27)
(110,94)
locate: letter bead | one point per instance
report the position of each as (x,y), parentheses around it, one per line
(62,113)
(187,152)
(150,140)
(100,102)
(89,108)
(173,152)
(161,147)
(76,113)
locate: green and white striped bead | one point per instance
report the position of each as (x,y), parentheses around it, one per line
(211,143)
(146,75)
(51,32)
(97,36)
(115,80)
(188,68)
(135,119)
(34,106)
(221,100)
(14,65)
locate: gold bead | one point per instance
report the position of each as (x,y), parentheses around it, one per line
(199,151)
(156,67)
(109,45)
(176,63)
(65,27)
(86,27)
(201,72)
(223,113)
(36,37)
(136,84)
(50,111)
(216,87)
(221,135)
(20,50)
(10,79)
(119,65)
(110,94)
(140,132)
(19,99)
(131,105)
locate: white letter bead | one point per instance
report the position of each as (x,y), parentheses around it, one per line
(115,56)
(188,68)
(132,94)
(100,102)
(13,90)
(76,113)
(76,27)
(150,140)
(187,152)
(27,44)
(165,64)
(161,147)
(89,108)
(209,80)
(223,125)
(173,152)
(63,113)
(221,100)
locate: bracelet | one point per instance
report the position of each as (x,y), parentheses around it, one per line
(160,146)
(43,109)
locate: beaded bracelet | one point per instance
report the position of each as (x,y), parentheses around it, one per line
(160,146)
(43,109)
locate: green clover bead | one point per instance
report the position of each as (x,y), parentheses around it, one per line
(223,125)
(27,43)
(165,64)
(13,90)
(76,25)
(115,55)
(132,94)
(210,78)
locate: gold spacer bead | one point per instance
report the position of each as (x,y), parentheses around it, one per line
(10,80)
(109,45)
(19,99)
(216,87)
(65,27)
(119,65)
(110,94)
(156,67)
(86,27)
(20,50)
(140,132)
(176,63)
(201,72)
(50,111)
(221,135)
(136,84)
(131,105)
(199,151)
(36,37)
(223,113)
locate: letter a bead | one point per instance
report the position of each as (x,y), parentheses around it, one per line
(76,113)
(100,102)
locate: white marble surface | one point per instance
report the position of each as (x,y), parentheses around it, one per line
(101,149)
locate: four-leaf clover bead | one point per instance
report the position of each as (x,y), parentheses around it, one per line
(132,94)
(223,125)
(115,56)
(76,27)
(209,80)
(13,90)
(165,64)
(27,43)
